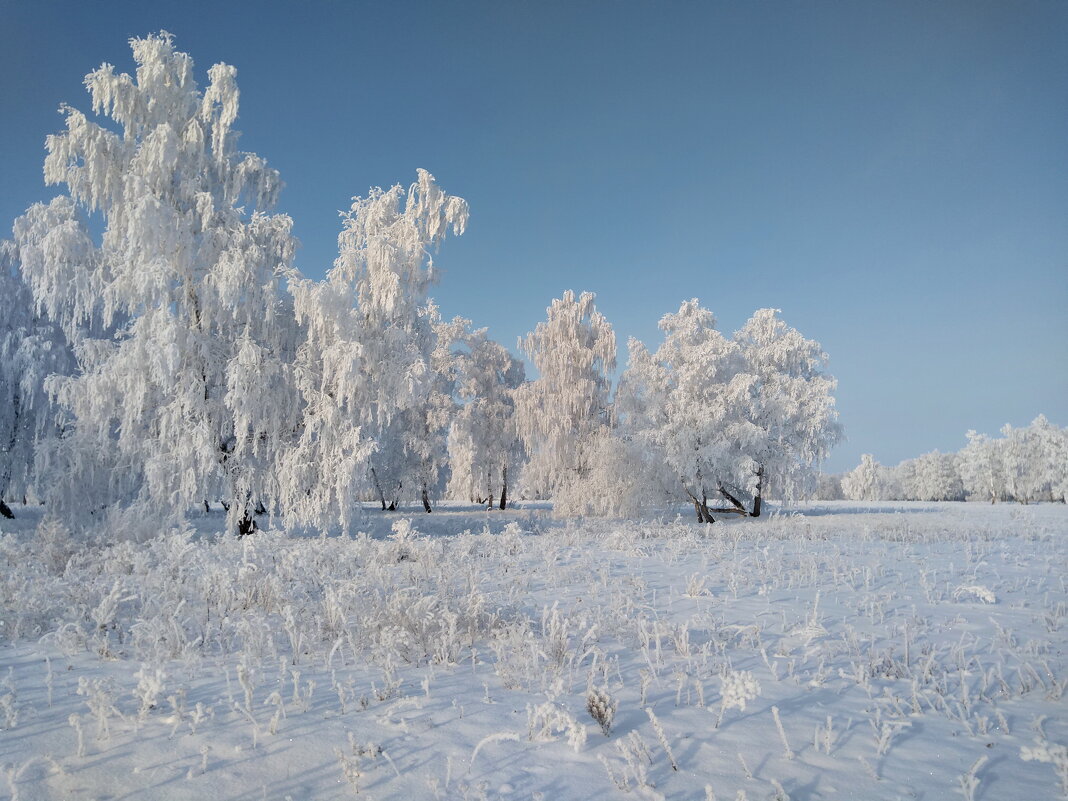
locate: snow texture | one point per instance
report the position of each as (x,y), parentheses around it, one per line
(472,655)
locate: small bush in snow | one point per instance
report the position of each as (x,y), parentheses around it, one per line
(602,708)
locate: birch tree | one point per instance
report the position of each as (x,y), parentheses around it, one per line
(374,413)
(484,446)
(560,412)
(190,264)
(680,403)
(31,348)
(862,483)
(787,421)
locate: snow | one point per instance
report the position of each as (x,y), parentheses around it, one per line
(848,650)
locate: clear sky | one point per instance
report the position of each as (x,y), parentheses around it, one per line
(892,175)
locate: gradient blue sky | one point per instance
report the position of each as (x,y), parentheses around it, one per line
(893,175)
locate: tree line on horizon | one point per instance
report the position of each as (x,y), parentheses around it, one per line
(1026,465)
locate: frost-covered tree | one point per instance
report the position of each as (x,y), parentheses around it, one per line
(1033,460)
(1051,454)
(622,479)
(375,412)
(484,447)
(829,488)
(560,413)
(933,476)
(65,273)
(1024,464)
(862,483)
(982,471)
(184,401)
(31,349)
(787,423)
(731,416)
(682,403)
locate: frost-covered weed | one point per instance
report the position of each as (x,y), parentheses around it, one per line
(977,591)
(547,720)
(150,685)
(738,688)
(1052,753)
(636,763)
(99,696)
(602,708)
(661,736)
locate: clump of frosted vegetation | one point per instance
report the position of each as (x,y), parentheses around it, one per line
(976,591)
(602,708)
(549,720)
(737,688)
(1050,753)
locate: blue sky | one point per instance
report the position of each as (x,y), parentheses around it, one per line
(892,175)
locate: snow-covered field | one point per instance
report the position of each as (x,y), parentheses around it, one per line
(837,651)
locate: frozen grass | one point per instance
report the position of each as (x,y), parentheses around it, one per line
(898,651)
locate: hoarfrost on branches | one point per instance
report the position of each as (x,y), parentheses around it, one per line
(192,277)
(728,417)
(560,412)
(32,348)
(375,412)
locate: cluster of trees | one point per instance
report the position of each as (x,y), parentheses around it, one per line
(180,356)
(1024,465)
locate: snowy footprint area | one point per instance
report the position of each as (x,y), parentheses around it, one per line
(899,651)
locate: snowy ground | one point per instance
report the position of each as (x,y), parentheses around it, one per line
(911,651)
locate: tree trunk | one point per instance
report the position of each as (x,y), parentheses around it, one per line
(206,507)
(378,487)
(246,525)
(737,504)
(426,501)
(759,490)
(260,508)
(704,515)
(504,487)
(704,509)
(5,479)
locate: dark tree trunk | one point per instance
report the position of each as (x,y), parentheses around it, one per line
(207,508)
(260,508)
(426,500)
(759,491)
(489,503)
(391,508)
(225,506)
(504,487)
(737,504)
(704,514)
(705,510)
(5,479)
(246,525)
(378,488)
